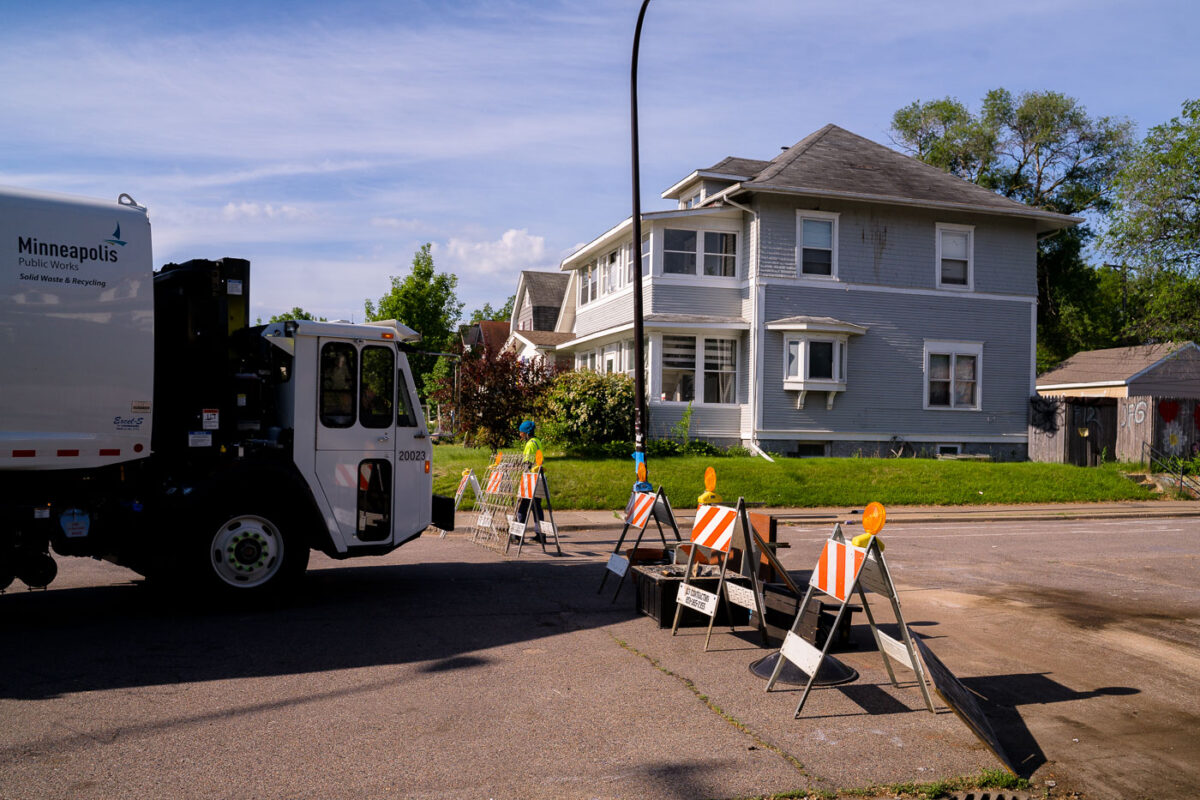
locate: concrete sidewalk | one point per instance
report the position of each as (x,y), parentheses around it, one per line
(901,515)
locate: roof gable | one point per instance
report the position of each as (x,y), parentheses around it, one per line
(545,288)
(1113,365)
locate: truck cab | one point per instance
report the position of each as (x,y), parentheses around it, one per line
(359,438)
(145,421)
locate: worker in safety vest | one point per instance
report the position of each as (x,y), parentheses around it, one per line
(529,456)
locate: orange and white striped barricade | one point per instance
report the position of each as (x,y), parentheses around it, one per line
(715,529)
(641,508)
(468,481)
(533,487)
(842,570)
(498,501)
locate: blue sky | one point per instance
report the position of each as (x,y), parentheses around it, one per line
(327,141)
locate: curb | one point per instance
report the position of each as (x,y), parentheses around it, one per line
(922,517)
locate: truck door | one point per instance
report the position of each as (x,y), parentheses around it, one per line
(356,427)
(414,451)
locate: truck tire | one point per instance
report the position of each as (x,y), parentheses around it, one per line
(253,549)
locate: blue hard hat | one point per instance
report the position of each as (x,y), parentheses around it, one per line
(527,427)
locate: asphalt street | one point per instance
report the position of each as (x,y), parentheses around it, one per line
(444,670)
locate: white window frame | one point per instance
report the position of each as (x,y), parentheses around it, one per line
(823,216)
(953,349)
(612,271)
(969,230)
(698,369)
(658,248)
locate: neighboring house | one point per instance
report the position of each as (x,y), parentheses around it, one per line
(829,301)
(536,308)
(488,334)
(1117,401)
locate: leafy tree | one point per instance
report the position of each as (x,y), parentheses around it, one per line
(1156,221)
(1165,306)
(588,408)
(487,312)
(425,301)
(296,313)
(494,392)
(1043,149)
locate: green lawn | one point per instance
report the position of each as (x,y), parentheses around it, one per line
(583,483)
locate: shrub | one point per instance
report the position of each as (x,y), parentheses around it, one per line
(585,409)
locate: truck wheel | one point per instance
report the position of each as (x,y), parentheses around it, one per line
(255,552)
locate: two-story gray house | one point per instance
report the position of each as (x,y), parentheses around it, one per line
(841,298)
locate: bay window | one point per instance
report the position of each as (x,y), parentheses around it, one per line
(815,355)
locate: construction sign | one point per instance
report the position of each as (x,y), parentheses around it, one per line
(531,491)
(641,508)
(496,504)
(715,529)
(961,701)
(468,481)
(842,569)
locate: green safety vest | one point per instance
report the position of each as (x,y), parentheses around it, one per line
(531,448)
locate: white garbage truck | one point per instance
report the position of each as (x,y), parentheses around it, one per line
(144,421)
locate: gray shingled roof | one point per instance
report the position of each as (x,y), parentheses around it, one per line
(834,161)
(545,288)
(731,165)
(1104,366)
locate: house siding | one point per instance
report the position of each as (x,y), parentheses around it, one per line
(525,318)
(885,369)
(719,424)
(604,313)
(890,246)
(709,300)
(1175,377)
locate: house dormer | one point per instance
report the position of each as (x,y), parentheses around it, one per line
(693,190)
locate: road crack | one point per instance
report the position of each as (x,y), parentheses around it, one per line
(716,709)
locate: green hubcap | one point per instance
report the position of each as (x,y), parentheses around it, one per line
(247,551)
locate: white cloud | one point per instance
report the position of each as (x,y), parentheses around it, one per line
(514,251)
(235,212)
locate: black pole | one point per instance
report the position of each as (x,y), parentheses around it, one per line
(639,352)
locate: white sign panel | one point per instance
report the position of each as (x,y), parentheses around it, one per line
(548,528)
(896,650)
(618,564)
(516,529)
(199,439)
(694,597)
(484,520)
(871,578)
(800,653)
(210,419)
(740,596)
